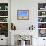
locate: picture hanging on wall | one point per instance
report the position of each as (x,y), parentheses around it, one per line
(22,14)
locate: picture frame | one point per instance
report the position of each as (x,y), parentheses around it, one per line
(22,14)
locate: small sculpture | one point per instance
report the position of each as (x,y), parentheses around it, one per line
(31,27)
(13,27)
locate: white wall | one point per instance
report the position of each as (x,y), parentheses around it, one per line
(32,6)
(21,5)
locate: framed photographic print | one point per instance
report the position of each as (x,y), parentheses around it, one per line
(22,14)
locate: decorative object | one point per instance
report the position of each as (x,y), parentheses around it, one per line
(3,13)
(4,29)
(3,6)
(42,32)
(23,40)
(23,14)
(43,13)
(41,25)
(3,19)
(6,7)
(41,19)
(31,27)
(0,7)
(41,6)
(13,27)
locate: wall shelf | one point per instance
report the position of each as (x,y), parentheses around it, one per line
(41,28)
(42,16)
(42,19)
(41,10)
(3,10)
(3,16)
(4,19)
(3,22)
(41,22)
